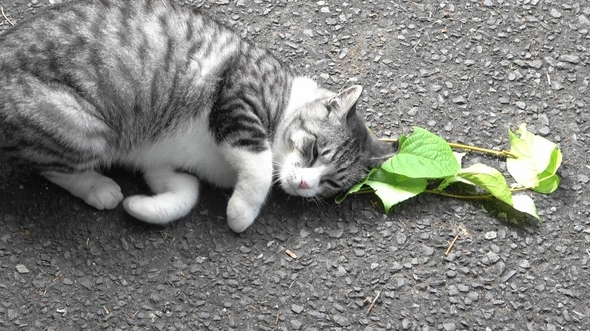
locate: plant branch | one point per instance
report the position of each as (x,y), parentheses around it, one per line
(502,153)
(449,195)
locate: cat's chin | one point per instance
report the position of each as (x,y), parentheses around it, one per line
(300,192)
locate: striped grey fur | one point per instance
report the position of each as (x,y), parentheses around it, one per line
(91,83)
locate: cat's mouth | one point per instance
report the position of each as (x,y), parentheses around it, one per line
(299,188)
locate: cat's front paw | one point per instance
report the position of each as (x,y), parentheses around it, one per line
(241,213)
(104,193)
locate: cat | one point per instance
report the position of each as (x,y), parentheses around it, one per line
(166,90)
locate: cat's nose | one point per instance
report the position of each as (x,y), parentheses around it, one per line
(303,185)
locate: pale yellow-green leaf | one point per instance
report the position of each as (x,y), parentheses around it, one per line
(487,178)
(525,204)
(537,158)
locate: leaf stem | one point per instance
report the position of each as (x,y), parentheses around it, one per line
(473,197)
(364,191)
(456,196)
(503,153)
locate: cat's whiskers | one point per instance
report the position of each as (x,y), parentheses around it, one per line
(319,201)
(276,181)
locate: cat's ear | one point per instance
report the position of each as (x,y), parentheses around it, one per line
(378,151)
(343,104)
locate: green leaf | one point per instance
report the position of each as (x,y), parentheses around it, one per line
(451,180)
(356,187)
(548,180)
(401,139)
(537,160)
(488,179)
(393,188)
(547,184)
(423,155)
(525,204)
(554,161)
(390,188)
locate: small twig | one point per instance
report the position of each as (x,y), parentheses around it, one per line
(4,15)
(291,254)
(451,245)
(277,319)
(416,45)
(373,303)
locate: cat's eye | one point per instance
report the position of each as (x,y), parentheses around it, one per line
(314,152)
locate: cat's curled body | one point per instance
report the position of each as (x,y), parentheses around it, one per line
(166,90)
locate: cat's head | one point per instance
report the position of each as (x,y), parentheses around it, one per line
(325,147)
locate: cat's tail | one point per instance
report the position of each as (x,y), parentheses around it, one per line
(176,194)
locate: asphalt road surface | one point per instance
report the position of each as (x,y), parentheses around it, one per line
(468,70)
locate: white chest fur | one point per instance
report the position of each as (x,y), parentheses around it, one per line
(191,148)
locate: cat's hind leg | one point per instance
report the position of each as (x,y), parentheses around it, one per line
(97,190)
(175,195)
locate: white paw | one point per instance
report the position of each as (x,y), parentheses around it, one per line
(104,194)
(139,206)
(159,209)
(241,214)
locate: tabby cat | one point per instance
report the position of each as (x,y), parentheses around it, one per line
(166,90)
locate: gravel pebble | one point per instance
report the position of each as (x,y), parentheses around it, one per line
(449,326)
(544,131)
(536,64)
(413,111)
(555,13)
(297,309)
(400,238)
(490,235)
(341,320)
(427,250)
(570,58)
(335,233)
(86,283)
(295,324)
(460,100)
(21,269)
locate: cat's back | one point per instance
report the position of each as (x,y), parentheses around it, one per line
(136,62)
(94,31)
